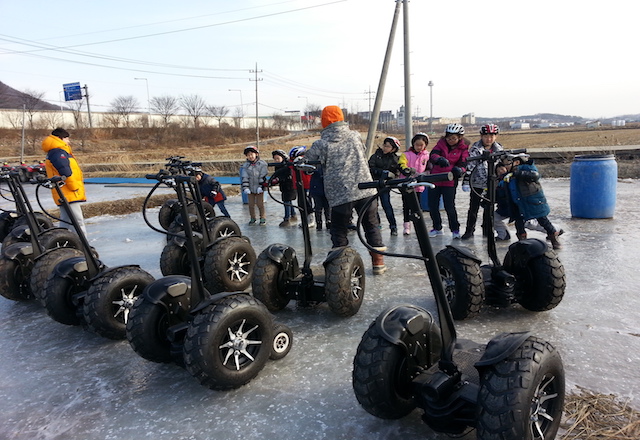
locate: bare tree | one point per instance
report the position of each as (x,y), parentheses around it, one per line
(218,112)
(124,106)
(76,108)
(166,106)
(195,106)
(238,115)
(51,119)
(32,102)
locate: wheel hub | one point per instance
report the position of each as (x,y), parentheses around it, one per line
(236,349)
(237,266)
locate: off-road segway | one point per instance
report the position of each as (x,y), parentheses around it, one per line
(83,290)
(278,277)
(512,388)
(26,242)
(530,275)
(223,339)
(226,258)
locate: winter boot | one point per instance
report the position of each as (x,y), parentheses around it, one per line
(467,234)
(377,261)
(394,230)
(522,236)
(285,223)
(407,228)
(553,238)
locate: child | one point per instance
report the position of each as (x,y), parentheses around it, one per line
(211,191)
(414,161)
(320,201)
(282,175)
(306,184)
(449,155)
(253,173)
(478,179)
(383,160)
(528,200)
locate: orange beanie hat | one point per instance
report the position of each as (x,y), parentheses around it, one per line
(331,114)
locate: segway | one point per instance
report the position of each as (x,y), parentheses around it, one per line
(511,388)
(223,339)
(26,242)
(530,275)
(82,290)
(226,258)
(278,278)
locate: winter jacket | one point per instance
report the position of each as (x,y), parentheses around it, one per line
(341,153)
(253,174)
(457,157)
(283,173)
(316,186)
(379,162)
(526,192)
(60,162)
(415,160)
(210,187)
(479,176)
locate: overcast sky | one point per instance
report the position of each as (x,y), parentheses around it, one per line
(494,58)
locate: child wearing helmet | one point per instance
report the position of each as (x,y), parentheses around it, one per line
(449,155)
(476,181)
(253,174)
(385,160)
(282,176)
(414,161)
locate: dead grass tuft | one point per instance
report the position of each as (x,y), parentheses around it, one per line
(593,416)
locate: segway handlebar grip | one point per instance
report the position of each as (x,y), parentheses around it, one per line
(432,178)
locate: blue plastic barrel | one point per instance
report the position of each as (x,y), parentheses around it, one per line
(424,201)
(594,180)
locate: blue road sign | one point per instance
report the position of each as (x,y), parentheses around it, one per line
(72,91)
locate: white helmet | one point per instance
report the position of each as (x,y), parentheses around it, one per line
(454,129)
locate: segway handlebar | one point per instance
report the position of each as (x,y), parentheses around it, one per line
(418,180)
(487,155)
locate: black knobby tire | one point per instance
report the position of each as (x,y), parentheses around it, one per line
(521,397)
(381,378)
(168,212)
(227,345)
(541,285)
(282,342)
(6,224)
(110,298)
(44,265)
(59,237)
(462,281)
(174,260)
(268,284)
(14,282)
(344,284)
(229,265)
(147,331)
(57,297)
(221,227)
(43,220)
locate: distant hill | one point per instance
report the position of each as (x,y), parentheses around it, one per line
(13,99)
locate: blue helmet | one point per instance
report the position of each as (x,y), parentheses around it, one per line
(297,151)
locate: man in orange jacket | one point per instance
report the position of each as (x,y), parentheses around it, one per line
(61,162)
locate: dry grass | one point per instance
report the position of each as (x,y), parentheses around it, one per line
(593,416)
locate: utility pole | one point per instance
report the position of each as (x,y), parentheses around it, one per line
(305,111)
(408,120)
(86,95)
(373,123)
(148,100)
(256,71)
(430,104)
(369,92)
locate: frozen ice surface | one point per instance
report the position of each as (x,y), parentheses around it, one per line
(61,382)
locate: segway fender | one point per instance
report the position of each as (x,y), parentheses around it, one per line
(21,232)
(102,270)
(17,250)
(414,330)
(71,267)
(500,347)
(282,254)
(166,289)
(333,254)
(521,252)
(212,300)
(465,251)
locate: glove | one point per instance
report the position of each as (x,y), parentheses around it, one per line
(275,181)
(213,193)
(466,188)
(408,171)
(246,191)
(442,161)
(259,191)
(457,171)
